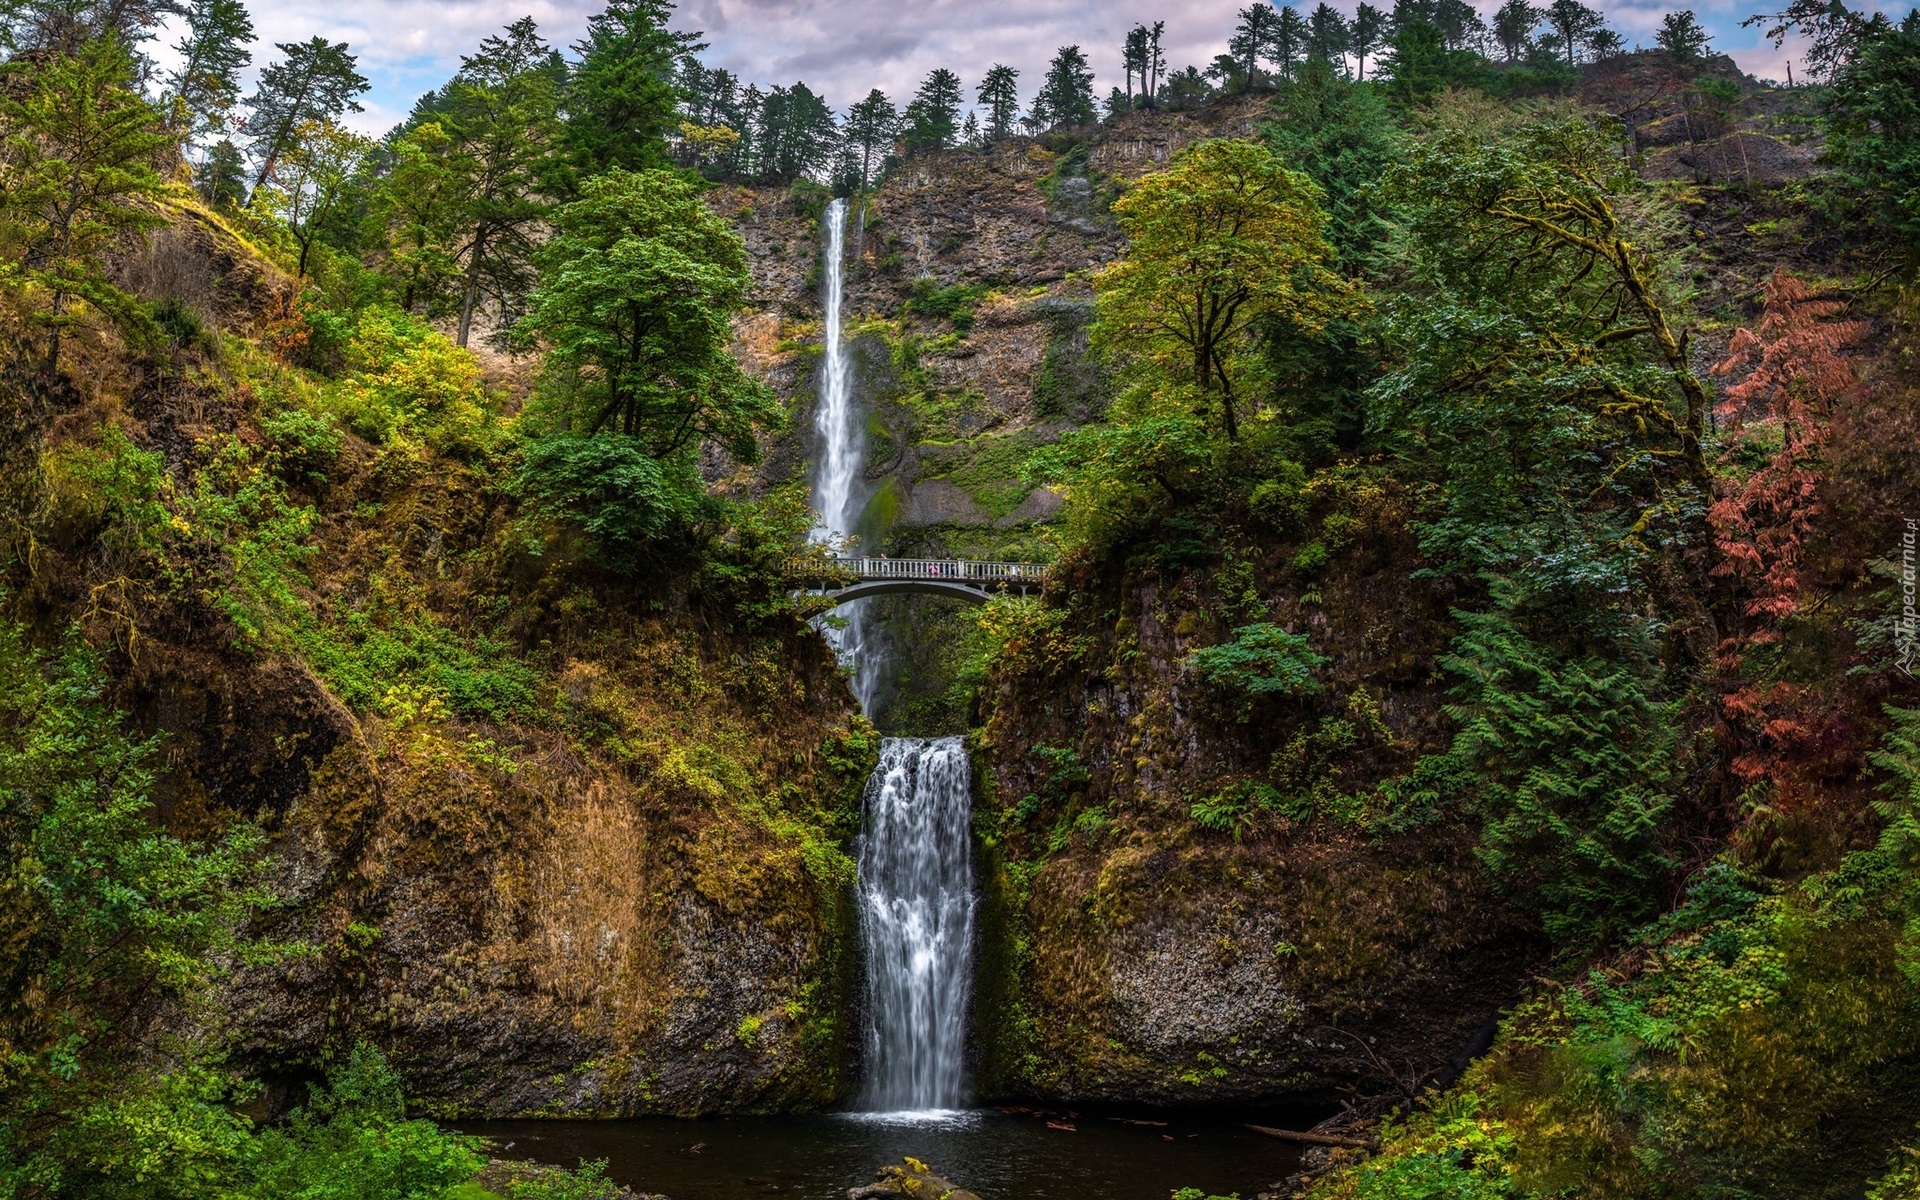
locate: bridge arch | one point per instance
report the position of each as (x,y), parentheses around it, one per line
(920,587)
(958,579)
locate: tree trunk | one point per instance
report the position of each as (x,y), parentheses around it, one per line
(470,293)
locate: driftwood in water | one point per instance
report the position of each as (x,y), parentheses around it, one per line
(1312,1139)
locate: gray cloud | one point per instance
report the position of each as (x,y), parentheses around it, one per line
(841,48)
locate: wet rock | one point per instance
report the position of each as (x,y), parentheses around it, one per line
(912,1178)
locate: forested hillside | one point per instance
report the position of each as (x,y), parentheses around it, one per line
(1471,685)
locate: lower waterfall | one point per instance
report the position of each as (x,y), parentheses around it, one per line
(916,922)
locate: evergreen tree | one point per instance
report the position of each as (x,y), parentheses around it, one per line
(1338,134)
(1604,43)
(1682,36)
(620,99)
(933,115)
(1366,34)
(1133,59)
(221,179)
(1513,27)
(76,176)
(798,136)
(1327,34)
(999,93)
(1574,22)
(970,132)
(1185,88)
(419,212)
(1459,24)
(870,129)
(314,83)
(1252,43)
(502,116)
(64,26)
(1289,41)
(203,89)
(1066,96)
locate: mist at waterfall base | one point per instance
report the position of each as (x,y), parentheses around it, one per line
(997,1155)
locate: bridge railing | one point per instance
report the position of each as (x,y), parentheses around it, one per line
(957,569)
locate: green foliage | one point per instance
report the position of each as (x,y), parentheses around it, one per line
(375,658)
(303,444)
(1573,757)
(1262,659)
(623,499)
(404,383)
(620,101)
(952,303)
(77,145)
(352,1141)
(1873,112)
(105,919)
(588,1181)
(1338,134)
(637,290)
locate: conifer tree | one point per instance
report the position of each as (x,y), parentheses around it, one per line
(870,129)
(1066,97)
(933,115)
(501,114)
(999,94)
(1366,34)
(1253,41)
(620,98)
(1574,22)
(203,89)
(221,179)
(1682,36)
(76,175)
(315,82)
(1513,27)
(1327,34)
(1289,41)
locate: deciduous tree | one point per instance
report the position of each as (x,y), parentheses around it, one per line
(1223,239)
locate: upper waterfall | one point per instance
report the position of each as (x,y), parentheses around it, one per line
(842,448)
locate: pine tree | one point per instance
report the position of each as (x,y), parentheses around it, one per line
(202,91)
(1575,23)
(933,116)
(1252,42)
(970,132)
(315,82)
(620,98)
(1513,27)
(1133,59)
(870,129)
(1682,36)
(1327,34)
(1156,63)
(221,179)
(1289,41)
(1066,97)
(999,93)
(501,113)
(76,175)
(1365,35)
(65,26)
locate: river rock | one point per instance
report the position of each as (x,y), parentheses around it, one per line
(912,1178)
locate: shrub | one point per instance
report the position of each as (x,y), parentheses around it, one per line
(1262,659)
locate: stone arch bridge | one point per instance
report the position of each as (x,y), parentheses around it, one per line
(961,579)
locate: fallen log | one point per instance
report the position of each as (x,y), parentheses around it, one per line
(1312,1139)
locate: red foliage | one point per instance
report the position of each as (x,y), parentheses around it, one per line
(1794,368)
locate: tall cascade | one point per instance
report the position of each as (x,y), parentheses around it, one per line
(916,923)
(842,459)
(916,862)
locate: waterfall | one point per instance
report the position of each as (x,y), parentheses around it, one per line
(916,862)
(842,444)
(916,923)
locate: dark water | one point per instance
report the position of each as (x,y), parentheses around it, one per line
(998,1155)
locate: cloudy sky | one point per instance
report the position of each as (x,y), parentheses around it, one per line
(841,48)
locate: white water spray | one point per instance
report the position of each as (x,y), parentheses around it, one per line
(916,862)
(916,922)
